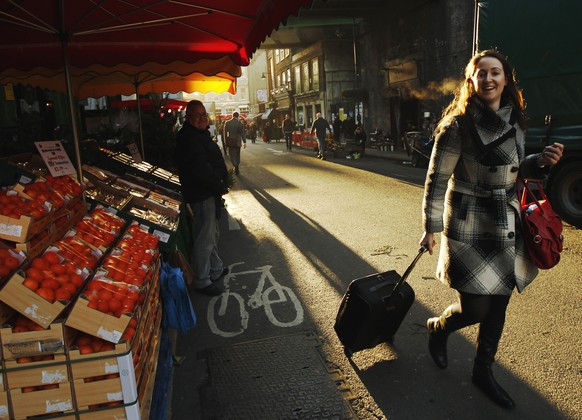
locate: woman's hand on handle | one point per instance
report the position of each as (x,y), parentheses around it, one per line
(428,241)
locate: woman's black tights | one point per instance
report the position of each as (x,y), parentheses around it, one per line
(486,310)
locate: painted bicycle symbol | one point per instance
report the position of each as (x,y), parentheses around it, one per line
(281,305)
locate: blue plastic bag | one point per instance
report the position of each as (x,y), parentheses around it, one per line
(178,312)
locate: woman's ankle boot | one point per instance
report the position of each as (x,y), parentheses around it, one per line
(484,380)
(437,342)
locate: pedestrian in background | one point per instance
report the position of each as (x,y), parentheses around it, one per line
(360,138)
(234,134)
(203,178)
(320,126)
(337,129)
(288,127)
(470,198)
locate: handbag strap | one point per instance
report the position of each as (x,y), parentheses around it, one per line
(525,191)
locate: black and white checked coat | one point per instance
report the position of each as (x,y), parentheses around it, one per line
(470,197)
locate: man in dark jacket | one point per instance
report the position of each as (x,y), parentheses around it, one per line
(320,127)
(203,177)
(234,135)
(288,126)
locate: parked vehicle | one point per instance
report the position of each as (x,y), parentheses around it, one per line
(544,53)
(418,148)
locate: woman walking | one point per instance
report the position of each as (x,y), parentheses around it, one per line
(470,198)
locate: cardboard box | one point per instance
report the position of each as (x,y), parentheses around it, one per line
(28,303)
(49,372)
(48,401)
(96,323)
(20,230)
(35,245)
(33,343)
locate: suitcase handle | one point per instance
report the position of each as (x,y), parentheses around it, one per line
(421,251)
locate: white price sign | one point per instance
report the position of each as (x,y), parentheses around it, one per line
(55,157)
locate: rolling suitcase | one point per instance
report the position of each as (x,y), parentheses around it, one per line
(373,308)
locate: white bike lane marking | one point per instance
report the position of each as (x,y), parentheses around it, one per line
(218,305)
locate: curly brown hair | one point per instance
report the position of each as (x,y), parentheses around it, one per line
(465,92)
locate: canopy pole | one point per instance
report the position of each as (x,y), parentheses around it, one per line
(136,84)
(72,108)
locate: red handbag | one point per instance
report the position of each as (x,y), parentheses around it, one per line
(542,228)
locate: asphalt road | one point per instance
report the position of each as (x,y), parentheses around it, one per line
(318,225)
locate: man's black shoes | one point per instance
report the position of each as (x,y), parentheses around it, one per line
(211,290)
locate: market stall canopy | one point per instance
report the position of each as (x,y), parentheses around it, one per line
(34,32)
(62,34)
(203,76)
(148,104)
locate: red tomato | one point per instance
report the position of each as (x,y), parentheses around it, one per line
(85,349)
(105,294)
(50,284)
(11,262)
(45,293)
(30,283)
(58,268)
(52,257)
(63,294)
(40,263)
(76,279)
(114,305)
(103,306)
(83,340)
(4,271)
(70,287)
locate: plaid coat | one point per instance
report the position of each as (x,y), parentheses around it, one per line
(470,197)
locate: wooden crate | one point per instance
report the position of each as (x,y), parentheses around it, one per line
(49,372)
(4,406)
(129,412)
(33,343)
(96,323)
(49,401)
(28,303)
(122,388)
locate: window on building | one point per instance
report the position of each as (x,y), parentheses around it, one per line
(315,74)
(230,110)
(306,81)
(287,52)
(278,80)
(297,79)
(244,109)
(276,56)
(284,78)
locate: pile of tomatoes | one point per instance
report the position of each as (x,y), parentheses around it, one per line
(8,263)
(89,344)
(42,192)
(142,238)
(83,255)
(112,298)
(91,233)
(13,206)
(53,278)
(106,220)
(64,185)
